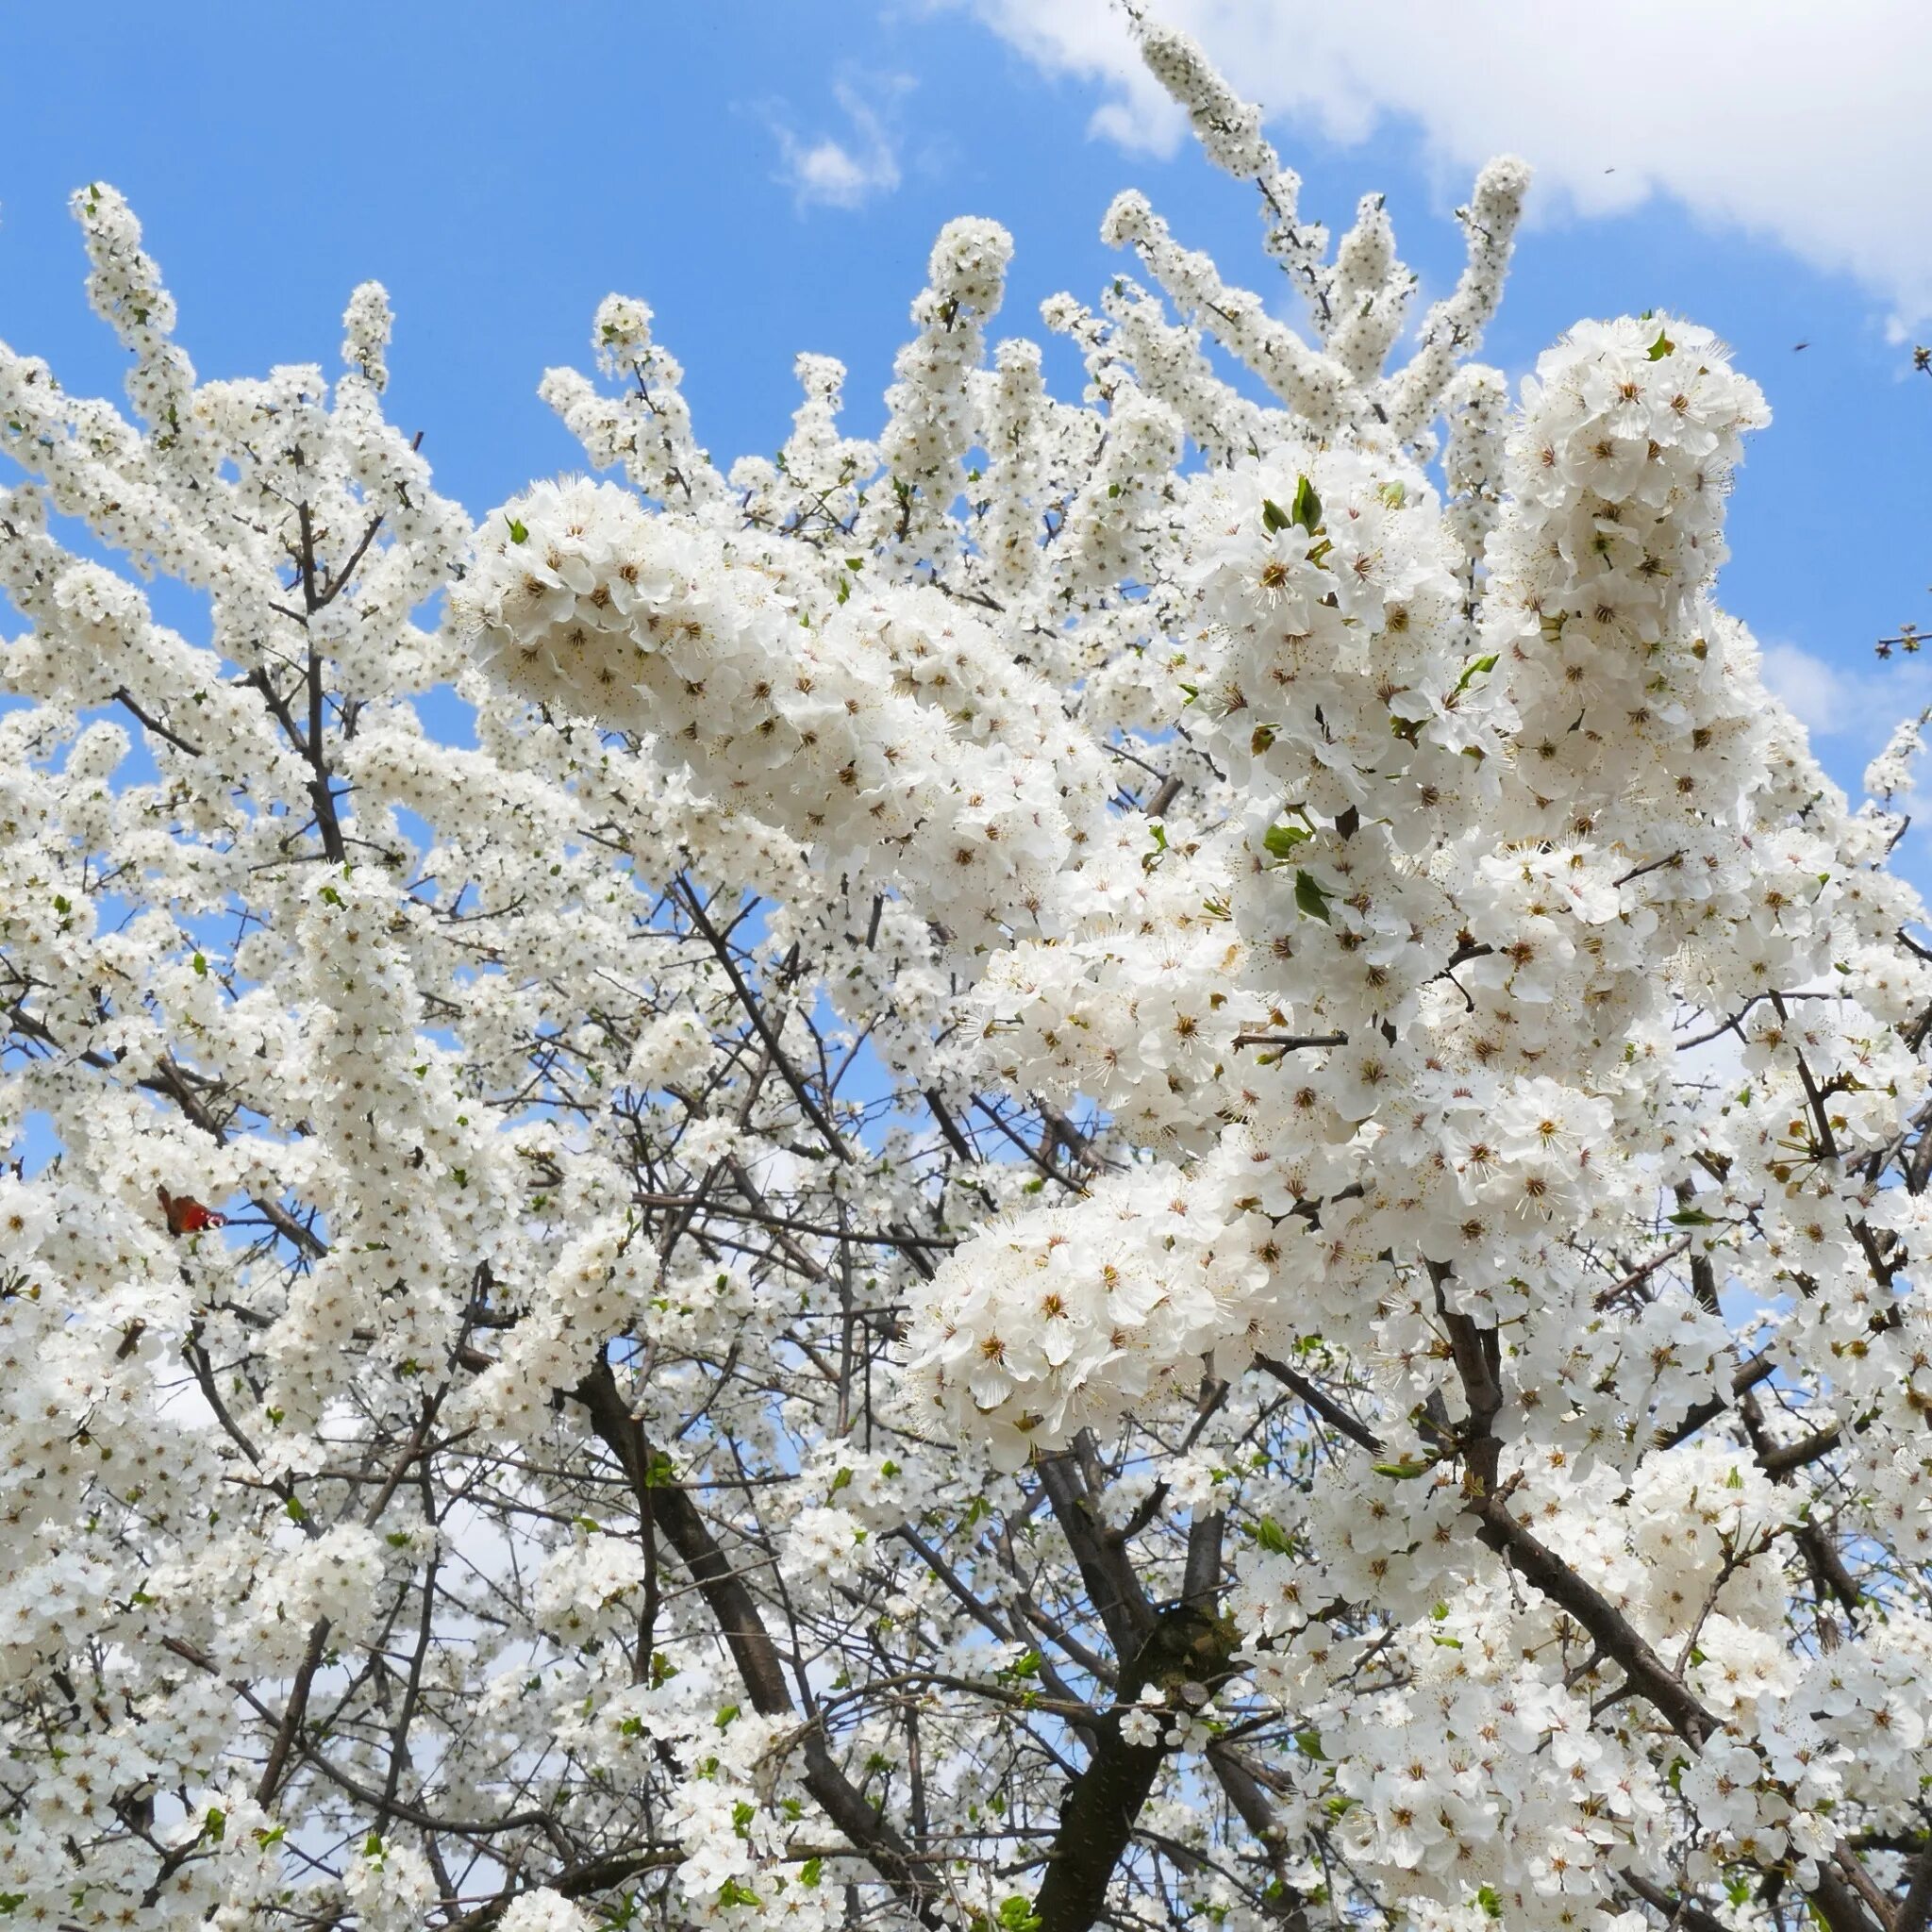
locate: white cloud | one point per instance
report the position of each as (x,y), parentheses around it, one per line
(1812,690)
(833,171)
(1831,701)
(1797,119)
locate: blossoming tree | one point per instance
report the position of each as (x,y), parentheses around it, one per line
(1125,1158)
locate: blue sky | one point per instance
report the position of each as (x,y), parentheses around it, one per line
(769,179)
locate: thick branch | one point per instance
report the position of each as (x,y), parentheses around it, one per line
(1112,1588)
(1185,1647)
(736,1612)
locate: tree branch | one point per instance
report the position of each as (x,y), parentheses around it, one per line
(736,1612)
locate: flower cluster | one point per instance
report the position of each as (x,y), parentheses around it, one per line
(580,601)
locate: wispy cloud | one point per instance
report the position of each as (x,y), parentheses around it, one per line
(852,167)
(1857,706)
(1803,123)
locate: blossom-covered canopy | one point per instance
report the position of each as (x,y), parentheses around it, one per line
(1126,1159)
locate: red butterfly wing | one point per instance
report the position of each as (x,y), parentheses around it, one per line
(186,1215)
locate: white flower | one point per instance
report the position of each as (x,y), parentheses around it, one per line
(542,1910)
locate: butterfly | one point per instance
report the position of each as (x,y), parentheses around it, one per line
(187,1216)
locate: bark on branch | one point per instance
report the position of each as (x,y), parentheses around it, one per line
(1186,1645)
(736,1612)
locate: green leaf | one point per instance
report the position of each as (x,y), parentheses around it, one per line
(1690,1217)
(1662,347)
(1309,1744)
(1282,840)
(729,1716)
(1272,1536)
(200,967)
(1486,1898)
(519,532)
(294,1510)
(214,1824)
(811,1870)
(733,1893)
(1273,517)
(1476,667)
(844,589)
(1404,1471)
(1309,898)
(1308,505)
